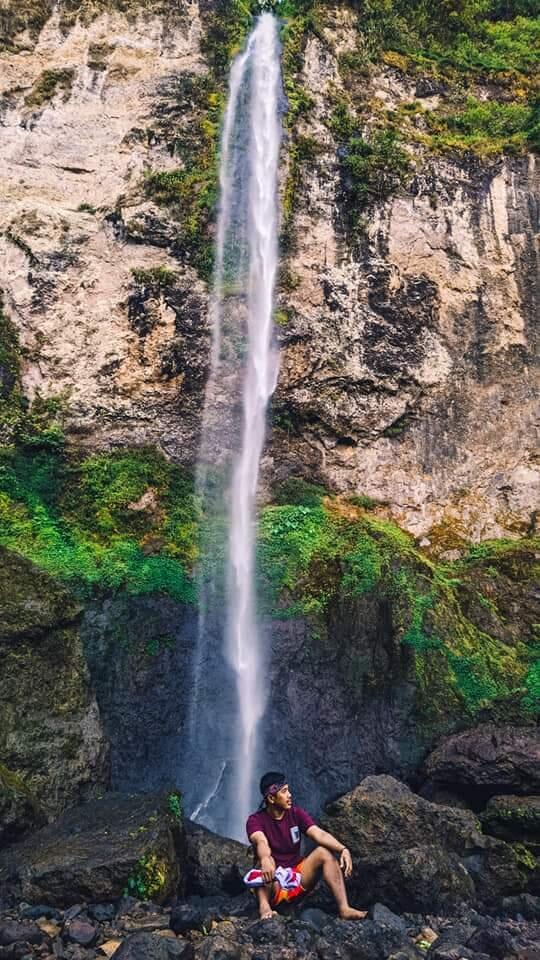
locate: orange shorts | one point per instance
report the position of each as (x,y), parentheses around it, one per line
(285,896)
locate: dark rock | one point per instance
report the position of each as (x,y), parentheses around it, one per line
(243,905)
(493,940)
(93,851)
(366,940)
(29,912)
(417,855)
(456,933)
(525,904)
(218,948)
(214,864)
(73,912)
(126,905)
(449,951)
(81,932)
(381,914)
(142,699)
(490,757)
(267,931)
(185,917)
(101,912)
(317,918)
(14,932)
(429,87)
(60,746)
(513,818)
(15,951)
(150,946)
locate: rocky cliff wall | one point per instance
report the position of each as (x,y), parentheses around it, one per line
(406,308)
(408,358)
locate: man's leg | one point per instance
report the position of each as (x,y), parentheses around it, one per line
(264,896)
(322,861)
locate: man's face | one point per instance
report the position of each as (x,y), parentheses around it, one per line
(282,799)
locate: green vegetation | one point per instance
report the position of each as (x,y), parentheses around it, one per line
(312,557)
(122,520)
(191,194)
(299,492)
(371,169)
(86,208)
(48,84)
(485,127)
(148,879)
(19,15)
(156,277)
(226,23)
(174,804)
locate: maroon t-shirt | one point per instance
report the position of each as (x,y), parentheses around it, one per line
(283,835)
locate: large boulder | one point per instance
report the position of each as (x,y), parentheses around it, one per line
(52,744)
(19,810)
(488,759)
(513,818)
(98,850)
(214,864)
(417,855)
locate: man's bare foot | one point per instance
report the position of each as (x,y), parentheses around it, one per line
(267,914)
(349,913)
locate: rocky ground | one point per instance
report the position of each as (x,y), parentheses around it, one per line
(127,874)
(216,928)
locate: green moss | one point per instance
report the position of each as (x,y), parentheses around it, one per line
(312,557)
(148,879)
(226,24)
(524,857)
(191,196)
(158,277)
(10,360)
(299,492)
(82,522)
(48,84)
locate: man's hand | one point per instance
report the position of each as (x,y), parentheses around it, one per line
(268,868)
(345,862)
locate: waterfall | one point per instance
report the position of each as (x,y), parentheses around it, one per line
(229,677)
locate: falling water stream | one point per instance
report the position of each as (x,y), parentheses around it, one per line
(229,671)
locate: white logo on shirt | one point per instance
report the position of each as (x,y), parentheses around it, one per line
(295,834)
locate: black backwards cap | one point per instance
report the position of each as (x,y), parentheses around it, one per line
(272,782)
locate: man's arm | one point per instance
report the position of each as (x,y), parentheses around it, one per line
(325,839)
(263,854)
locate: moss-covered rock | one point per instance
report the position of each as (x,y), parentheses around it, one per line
(51,738)
(99,850)
(408,850)
(514,818)
(19,809)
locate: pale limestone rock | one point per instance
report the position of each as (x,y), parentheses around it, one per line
(407,368)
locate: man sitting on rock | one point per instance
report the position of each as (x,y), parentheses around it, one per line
(275,834)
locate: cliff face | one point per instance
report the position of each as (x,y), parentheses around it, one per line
(409,362)
(405,317)
(81,114)
(407,357)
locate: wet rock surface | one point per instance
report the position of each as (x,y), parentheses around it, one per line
(96,851)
